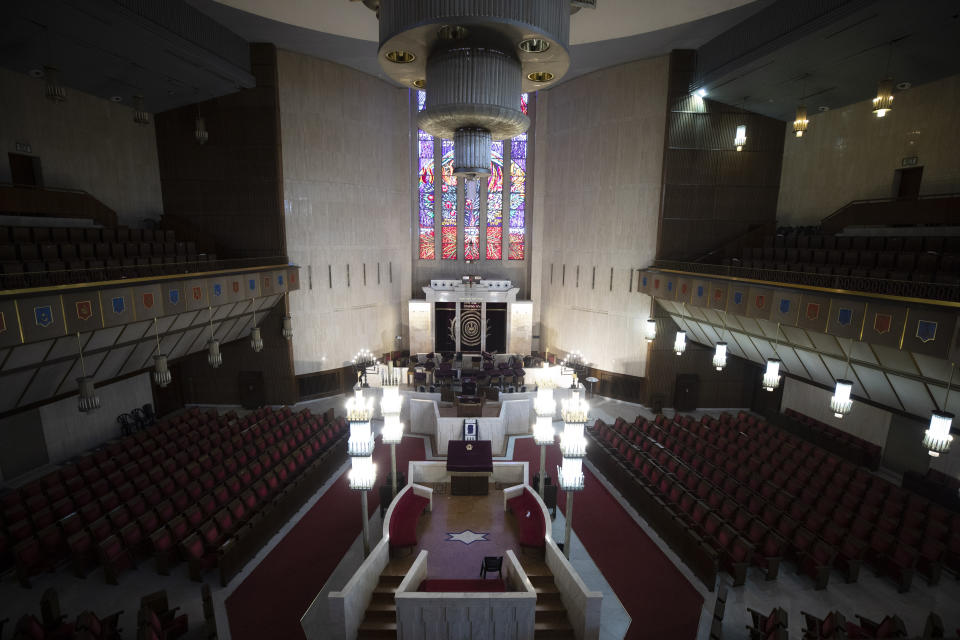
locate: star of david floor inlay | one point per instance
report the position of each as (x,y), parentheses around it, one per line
(467,537)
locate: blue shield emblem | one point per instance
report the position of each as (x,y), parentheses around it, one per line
(644,281)
(844,316)
(43,316)
(118,305)
(253,284)
(217,290)
(280,280)
(926,330)
(669,285)
(784,306)
(737,298)
(700,291)
(174,296)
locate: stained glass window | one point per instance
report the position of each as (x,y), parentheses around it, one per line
(495,202)
(448,204)
(426,198)
(518,196)
(471,220)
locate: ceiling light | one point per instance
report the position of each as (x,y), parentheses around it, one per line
(116,99)
(650,330)
(139,115)
(884,100)
(771,377)
(256,340)
(741,138)
(823,108)
(903,86)
(35,73)
(937,437)
(419,83)
(287,330)
(161,373)
(840,402)
(473,55)
(800,122)
(52,90)
(720,356)
(702,92)
(534,45)
(200,132)
(680,343)
(214,358)
(88,400)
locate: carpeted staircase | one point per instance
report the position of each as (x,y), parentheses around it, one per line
(380,620)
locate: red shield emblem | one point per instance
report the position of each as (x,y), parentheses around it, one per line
(197,293)
(717,294)
(293,277)
(759,301)
(147,300)
(882,322)
(84,310)
(813,310)
(656,283)
(236,286)
(683,288)
(3,323)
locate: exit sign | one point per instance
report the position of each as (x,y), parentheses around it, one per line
(23,147)
(909,162)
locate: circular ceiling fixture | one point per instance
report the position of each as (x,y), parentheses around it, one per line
(823,108)
(116,98)
(477,57)
(36,73)
(903,86)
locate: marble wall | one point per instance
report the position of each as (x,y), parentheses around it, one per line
(849,154)
(600,211)
(346,191)
(85,143)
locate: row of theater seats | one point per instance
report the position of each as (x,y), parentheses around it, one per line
(936,243)
(851,447)
(835,626)
(54,624)
(52,251)
(183,488)
(76,235)
(18,275)
(855,261)
(737,491)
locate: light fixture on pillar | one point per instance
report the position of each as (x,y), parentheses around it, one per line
(363,472)
(840,402)
(214,359)
(680,342)
(741,138)
(573,446)
(720,354)
(392,434)
(544,406)
(256,340)
(800,122)
(287,330)
(161,373)
(52,89)
(139,115)
(88,400)
(650,330)
(937,438)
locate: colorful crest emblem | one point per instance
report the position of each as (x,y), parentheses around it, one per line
(784,306)
(760,301)
(669,285)
(3,323)
(217,290)
(118,304)
(882,322)
(174,296)
(737,298)
(700,291)
(147,300)
(253,284)
(43,316)
(236,286)
(279,280)
(926,331)
(813,310)
(717,294)
(84,310)
(198,293)
(844,316)
(656,283)
(644,280)
(293,277)
(683,288)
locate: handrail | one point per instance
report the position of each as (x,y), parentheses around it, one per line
(49,201)
(733,246)
(923,292)
(46,281)
(829,223)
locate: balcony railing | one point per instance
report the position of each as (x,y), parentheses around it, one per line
(900,288)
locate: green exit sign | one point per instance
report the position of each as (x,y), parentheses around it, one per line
(909,162)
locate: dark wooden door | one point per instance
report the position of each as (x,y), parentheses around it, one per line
(170,398)
(908,183)
(687,392)
(23,170)
(252,389)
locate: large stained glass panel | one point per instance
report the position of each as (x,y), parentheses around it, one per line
(426,196)
(518,196)
(495,203)
(448,204)
(471,220)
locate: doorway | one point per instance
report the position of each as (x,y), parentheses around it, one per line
(25,170)
(906,183)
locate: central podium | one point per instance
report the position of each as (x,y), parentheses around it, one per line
(470,463)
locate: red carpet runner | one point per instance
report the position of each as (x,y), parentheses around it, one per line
(660,601)
(269,603)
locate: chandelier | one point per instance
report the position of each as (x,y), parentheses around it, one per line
(884,100)
(139,115)
(741,138)
(680,343)
(650,330)
(800,122)
(937,438)
(771,377)
(840,402)
(88,400)
(52,89)
(161,373)
(720,356)
(475,58)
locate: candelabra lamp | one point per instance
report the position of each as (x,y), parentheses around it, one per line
(363,472)
(544,406)
(573,446)
(392,433)
(365,364)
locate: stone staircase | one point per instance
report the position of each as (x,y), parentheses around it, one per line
(551,616)
(380,620)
